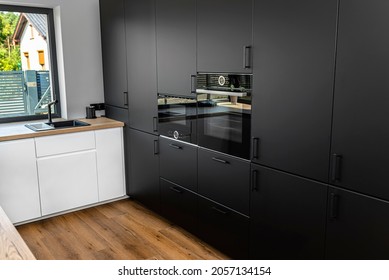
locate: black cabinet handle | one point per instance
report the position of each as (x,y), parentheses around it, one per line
(219,210)
(176,190)
(125,94)
(193,84)
(220,160)
(255,147)
(175,146)
(334,202)
(155,123)
(156,147)
(246,57)
(255,180)
(335,170)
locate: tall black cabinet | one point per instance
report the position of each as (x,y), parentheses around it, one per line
(143,167)
(176,47)
(360,150)
(294,55)
(224,36)
(357,226)
(141,64)
(288,216)
(114,52)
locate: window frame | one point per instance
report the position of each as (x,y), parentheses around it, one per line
(52,51)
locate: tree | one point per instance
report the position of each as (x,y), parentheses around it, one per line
(9,53)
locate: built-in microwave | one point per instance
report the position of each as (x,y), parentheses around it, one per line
(177,117)
(224,113)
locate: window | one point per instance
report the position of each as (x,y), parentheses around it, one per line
(41,58)
(28,68)
(27,56)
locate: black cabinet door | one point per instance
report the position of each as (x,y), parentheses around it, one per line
(143,168)
(294,53)
(224,36)
(113,39)
(360,140)
(357,226)
(179,205)
(288,216)
(178,163)
(176,47)
(141,64)
(224,179)
(223,228)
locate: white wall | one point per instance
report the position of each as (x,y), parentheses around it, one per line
(77,26)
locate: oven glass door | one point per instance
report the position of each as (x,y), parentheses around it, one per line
(177,118)
(224,124)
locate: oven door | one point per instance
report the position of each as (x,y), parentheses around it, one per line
(224,126)
(177,118)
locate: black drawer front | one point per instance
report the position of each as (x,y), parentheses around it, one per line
(224,229)
(179,205)
(178,163)
(224,179)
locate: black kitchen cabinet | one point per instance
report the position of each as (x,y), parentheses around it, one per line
(179,205)
(288,216)
(113,41)
(294,55)
(141,64)
(360,150)
(357,226)
(224,36)
(178,162)
(223,228)
(143,168)
(224,179)
(176,51)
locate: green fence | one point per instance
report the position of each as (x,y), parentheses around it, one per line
(24,92)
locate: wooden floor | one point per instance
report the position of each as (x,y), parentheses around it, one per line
(122,230)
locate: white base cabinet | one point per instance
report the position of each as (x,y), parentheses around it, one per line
(47,175)
(110,163)
(19,191)
(67,181)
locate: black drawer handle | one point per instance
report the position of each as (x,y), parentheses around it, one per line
(155,124)
(175,146)
(156,147)
(335,171)
(255,181)
(246,57)
(219,211)
(193,84)
(176,190)
(125,94)
(220,160)
(255,148)
(334,205)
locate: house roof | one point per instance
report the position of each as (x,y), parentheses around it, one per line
(38,21)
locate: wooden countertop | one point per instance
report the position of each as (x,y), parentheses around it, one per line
(15,131)
(12,246)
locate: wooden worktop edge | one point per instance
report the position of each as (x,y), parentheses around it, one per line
(12,246)
(95,124)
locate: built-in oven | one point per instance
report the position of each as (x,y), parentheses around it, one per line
(224,113)
(177,117)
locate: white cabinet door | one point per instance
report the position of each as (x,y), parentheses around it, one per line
(110,163)
(67,181)
(19,192)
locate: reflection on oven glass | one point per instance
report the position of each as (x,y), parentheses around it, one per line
(224,113)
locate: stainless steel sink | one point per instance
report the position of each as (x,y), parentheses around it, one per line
(55,125)
(67,124)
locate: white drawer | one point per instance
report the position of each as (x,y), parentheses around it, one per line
(65,143)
